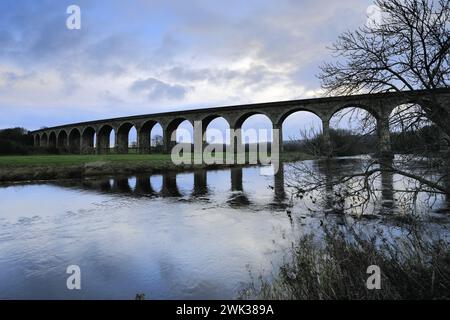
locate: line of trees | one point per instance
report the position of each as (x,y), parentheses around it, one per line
(16,141)
(348,143)
(343,142)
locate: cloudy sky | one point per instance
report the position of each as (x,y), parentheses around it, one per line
(145,56)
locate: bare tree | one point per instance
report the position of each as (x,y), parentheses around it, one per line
(407,49)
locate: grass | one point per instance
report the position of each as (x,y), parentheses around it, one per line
(72,159)
(67,160)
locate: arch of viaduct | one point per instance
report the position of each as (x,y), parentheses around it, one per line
(79,137)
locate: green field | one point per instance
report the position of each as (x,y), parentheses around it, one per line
(68,160)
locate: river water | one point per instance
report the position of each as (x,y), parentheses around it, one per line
(199,235)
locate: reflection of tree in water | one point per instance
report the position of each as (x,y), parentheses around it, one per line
(364,185)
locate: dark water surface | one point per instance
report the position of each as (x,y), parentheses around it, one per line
(197,235)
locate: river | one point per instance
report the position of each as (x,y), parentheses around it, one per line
(199,235)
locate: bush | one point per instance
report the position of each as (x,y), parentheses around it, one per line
(425,139)
(16,141)
(11,147)
(343,142)
(335,268)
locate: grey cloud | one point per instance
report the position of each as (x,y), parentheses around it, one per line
(111,99)
(212,75)
(12,76)
(41,41)
(256,75)
(156,89)
(293,34)
(113,54)
(10,79)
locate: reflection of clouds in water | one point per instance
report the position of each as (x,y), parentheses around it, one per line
(185,183)
(156,182)
(132,183)
(41,200)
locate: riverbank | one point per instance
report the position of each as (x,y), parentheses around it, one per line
(53,167)
(335,266)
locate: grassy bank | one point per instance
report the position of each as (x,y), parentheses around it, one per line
(46,167)
(70,160)
(334,267)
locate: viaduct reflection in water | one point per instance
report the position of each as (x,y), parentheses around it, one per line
(333,170)
(166,185)
(195,185)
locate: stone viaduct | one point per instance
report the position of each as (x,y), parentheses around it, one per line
(79,137)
